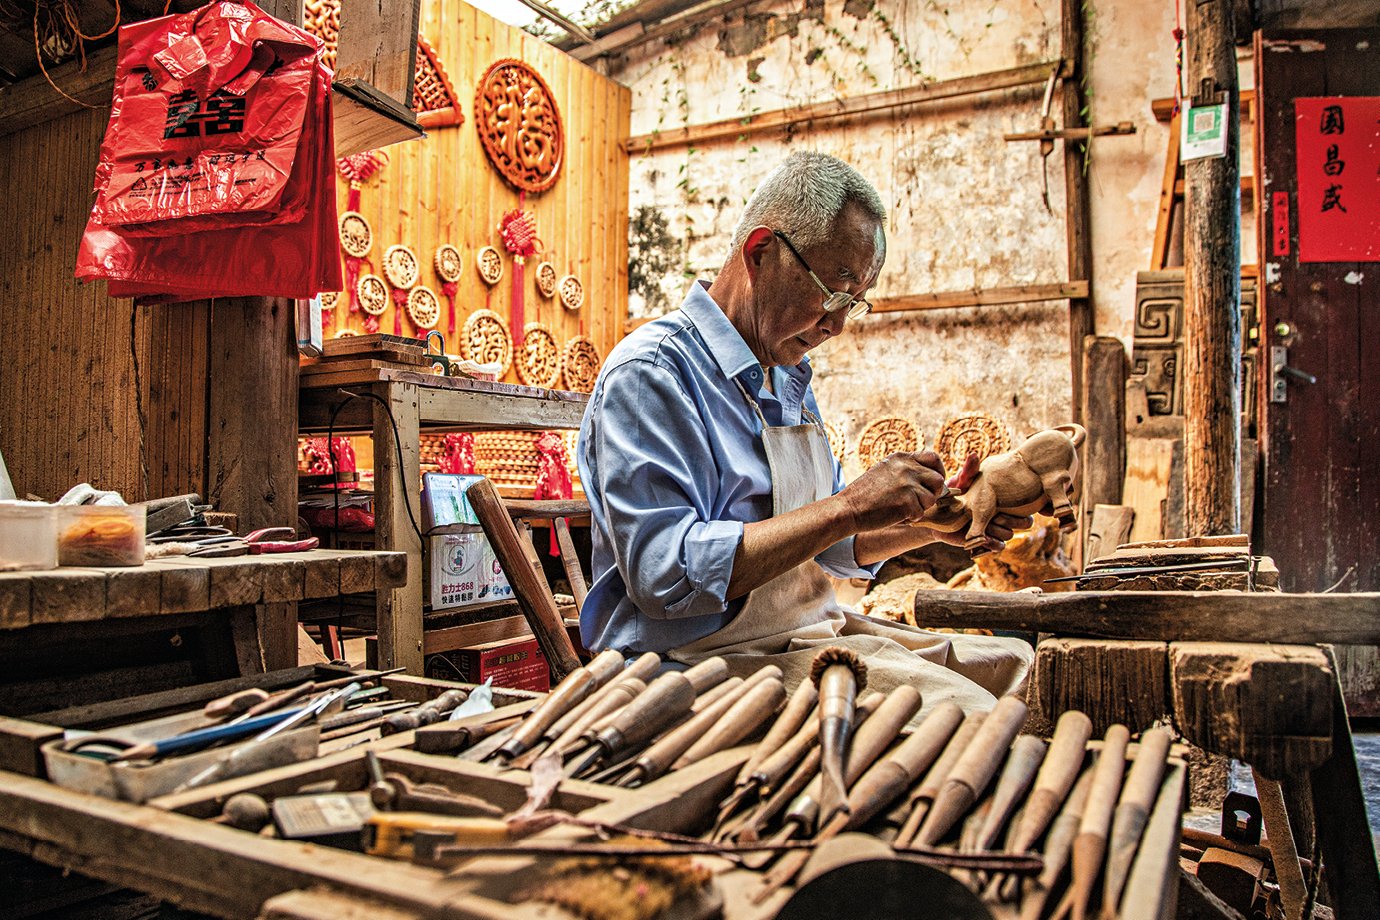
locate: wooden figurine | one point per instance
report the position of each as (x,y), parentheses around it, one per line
(1041,475)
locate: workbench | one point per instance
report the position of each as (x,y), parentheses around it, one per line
(1246,675)
(84,635)
(362,402)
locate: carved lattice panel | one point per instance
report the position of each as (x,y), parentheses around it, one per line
(519,125)
(322,19)
(433,98)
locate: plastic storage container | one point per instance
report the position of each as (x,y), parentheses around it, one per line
(100,535)
(28,536)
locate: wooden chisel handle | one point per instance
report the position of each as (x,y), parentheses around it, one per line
(798,708)
(1021,766)
(707,673)
(665,701)
(889,778)
(611,699)
(577,685)
(749,710)
(658,758)
(1132,813)
(1057,775)
(974,769)
(605,666)
(643,669)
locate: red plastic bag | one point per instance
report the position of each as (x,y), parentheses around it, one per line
(254,214)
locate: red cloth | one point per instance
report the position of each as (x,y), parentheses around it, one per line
(553,475)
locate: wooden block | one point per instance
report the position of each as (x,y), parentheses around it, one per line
(235,582)
(15,601)
(1267,705)
(472,634)
(134,592)
(1112,681)
(20,742)
(185,589)
(391,571)
(1111,525)
(357,572)
(1148,468)
(1104,416)
(68,596)
(284,579)
(322,577)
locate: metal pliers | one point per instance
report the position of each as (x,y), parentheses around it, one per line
(267,540)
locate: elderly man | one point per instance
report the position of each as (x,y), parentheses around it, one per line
(717,504)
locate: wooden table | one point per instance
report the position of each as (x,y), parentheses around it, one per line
(417,403)
(89,634)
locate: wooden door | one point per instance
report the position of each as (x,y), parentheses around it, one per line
(1319,513)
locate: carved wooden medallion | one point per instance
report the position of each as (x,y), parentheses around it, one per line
(519,125)
(580,364)
(970,434)
(356,236)
(448,263)
(539,363)
(884,437)
(423,307)
(401,266)
(546,279)
(572,292)
(373,294)
(486,340)
(329,299)
(490,263)
(834,434)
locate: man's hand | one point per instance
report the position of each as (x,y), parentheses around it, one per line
(1002,526)
(895,491)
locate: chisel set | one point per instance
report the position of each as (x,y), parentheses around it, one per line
(1034,828)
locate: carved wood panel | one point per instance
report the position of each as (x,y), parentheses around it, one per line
(519,125)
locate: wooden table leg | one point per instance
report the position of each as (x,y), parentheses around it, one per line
(397,480)
(1344,838)
(244,635)
(277,628)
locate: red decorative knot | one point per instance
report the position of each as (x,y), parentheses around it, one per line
(519,232)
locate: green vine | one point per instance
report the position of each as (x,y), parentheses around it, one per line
(909,62)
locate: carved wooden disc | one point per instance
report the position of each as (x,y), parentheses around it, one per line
(546,279)
(580,364)
(884,437)
(356,236)
(490,263)
(519,125)
(970,434)
(448,263)
(837,444)
(539,363)
(329,299)
(423,307)
(401,267)
(572,292)
(345,333)
(486,340)
(372,293)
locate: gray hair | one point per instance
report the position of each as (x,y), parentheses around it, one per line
(803,197)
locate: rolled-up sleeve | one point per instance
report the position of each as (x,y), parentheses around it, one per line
(657,479)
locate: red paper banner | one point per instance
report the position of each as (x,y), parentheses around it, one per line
(1338,140)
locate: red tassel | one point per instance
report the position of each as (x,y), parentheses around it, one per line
(399,305)
(516,321)
(449,288)
(459,453)
(553,475)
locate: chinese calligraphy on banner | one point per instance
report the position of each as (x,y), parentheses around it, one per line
(1338,141)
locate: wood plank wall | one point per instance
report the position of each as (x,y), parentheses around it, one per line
(67,376)
(443,189)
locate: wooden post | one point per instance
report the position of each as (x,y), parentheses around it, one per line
(1078,219)
(1212,288)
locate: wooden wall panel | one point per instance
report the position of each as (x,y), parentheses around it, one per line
(443,189)
(67,381)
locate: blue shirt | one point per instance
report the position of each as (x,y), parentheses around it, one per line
(672,462)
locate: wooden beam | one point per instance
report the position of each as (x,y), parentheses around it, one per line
(1212,290)
(33,101)
(621,38)
(978,297)
(1166,616)
(1077,209)
(738,128)
(1104,415)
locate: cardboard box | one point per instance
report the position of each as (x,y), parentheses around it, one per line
(514,663)
(444,500)
(464,571)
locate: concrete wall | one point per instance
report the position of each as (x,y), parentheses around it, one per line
(966,208)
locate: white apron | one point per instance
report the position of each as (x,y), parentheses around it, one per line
(788,619)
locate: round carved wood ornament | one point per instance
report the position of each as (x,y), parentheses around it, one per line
(834,435)
(486,340)
(572,292)
(884,437)
(519,125)
(448,263)
(970,434)
(401,266)
(489,261)
(539,365)
(329,299)
(423,307)
(373,294)
(356,236)
(546,279)
(580,364)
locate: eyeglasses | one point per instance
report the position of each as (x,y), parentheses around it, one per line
(833,300)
